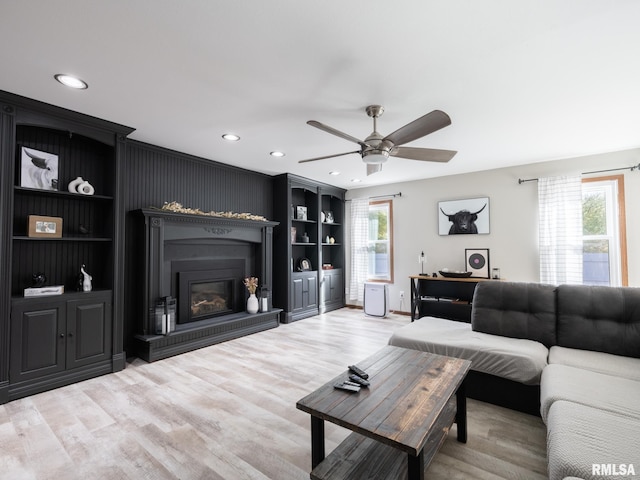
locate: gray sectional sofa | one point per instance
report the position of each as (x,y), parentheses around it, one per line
(572,352)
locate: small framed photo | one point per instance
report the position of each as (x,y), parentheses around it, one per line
(328,216)
(43,227)
(304,265)
(301,212)
(476,261)
(38,169)
(469,216)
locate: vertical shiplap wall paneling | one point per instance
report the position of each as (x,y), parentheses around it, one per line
(152,176)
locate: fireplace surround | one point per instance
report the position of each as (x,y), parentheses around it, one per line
(201,261)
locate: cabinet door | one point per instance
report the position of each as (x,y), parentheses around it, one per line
(88,331)
(311,294)
(37,341)
(297,297)
(337,287)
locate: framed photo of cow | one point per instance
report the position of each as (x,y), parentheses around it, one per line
(38,169)
(469,216)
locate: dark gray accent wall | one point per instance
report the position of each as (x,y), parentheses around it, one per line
(153,175)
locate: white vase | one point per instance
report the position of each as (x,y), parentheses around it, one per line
(73,184)
(85,188)
(252,303)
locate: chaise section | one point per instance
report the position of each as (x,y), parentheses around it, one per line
(515,359)
(579,436)
(597,390)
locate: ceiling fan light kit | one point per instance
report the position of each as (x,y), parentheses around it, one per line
(376,149)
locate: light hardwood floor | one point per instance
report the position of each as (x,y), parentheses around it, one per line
(228,412)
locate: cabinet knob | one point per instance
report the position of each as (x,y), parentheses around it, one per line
(62,335)
(70,335)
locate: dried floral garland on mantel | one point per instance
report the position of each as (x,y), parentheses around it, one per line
(176,207)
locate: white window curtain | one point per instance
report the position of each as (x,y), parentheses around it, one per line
(560,229)
(359,254)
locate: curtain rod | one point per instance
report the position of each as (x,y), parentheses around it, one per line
(521,181)
(399,194)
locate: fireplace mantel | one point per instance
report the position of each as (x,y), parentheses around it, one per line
(176,242)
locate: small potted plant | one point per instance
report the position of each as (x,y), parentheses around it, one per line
(252,302)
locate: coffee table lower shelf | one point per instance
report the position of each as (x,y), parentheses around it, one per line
(359,457)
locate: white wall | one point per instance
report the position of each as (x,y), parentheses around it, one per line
(513,241)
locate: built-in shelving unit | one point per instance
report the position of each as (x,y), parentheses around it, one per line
(308,247)
(76,322)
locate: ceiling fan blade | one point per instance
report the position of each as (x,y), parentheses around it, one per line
(327,156)
(424,125)
(337,133)
(425,154)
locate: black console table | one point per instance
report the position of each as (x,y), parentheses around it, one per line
(442,297)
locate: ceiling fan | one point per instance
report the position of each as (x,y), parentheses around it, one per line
(376,149)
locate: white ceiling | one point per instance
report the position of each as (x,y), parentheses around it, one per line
(523,81)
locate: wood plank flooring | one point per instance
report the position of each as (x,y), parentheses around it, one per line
(228,412)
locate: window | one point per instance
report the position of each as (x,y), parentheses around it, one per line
(380,241)
(604,232)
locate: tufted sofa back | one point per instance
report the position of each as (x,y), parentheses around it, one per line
(604,319)
(516,310)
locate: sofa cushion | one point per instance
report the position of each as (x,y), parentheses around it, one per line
(603,319)
(617,365)
(580,436)
(515,359)
(605,392)
(515,309)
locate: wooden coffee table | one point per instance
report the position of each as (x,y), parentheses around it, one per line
(399,422)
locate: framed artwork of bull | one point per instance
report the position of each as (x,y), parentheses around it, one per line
(38,169)
(467,216)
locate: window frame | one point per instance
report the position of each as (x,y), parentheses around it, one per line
(622,222)
(390,241)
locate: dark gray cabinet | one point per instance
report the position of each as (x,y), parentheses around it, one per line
(308,247)
(50,335)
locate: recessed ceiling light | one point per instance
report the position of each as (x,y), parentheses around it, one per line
(334,173)
(71,81)
(276,154)
(231,137)
(355,180)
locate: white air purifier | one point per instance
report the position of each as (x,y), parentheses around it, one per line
(376,299)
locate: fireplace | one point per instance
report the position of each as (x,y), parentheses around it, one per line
(202,262)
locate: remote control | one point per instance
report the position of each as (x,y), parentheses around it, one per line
(359,372)
(359,380)
(354,384)
(348,388)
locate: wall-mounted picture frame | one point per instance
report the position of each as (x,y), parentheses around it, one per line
(476,261)
(43,227)
(38,169)
(466,216)
(301,212)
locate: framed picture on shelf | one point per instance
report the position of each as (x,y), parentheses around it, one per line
(38,169)
(304,265)
(476,261)
(42,227)
(301,212)
(467,216)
